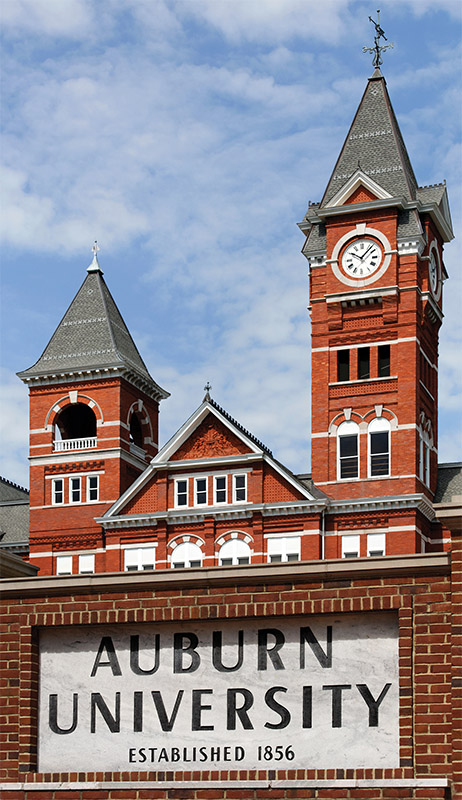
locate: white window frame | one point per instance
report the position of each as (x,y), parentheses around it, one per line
(283,546)
(140,557)
(185,553)
(351,543)
(54,492)
(378,425)
(71,490)
(89,489)
(235,549)
(375,543)
(62,565)
(216,478)
(86,563)
(347,428)
(237,489)
(202,491)
(177,493)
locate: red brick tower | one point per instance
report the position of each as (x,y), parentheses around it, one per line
(93,428)
(375,247)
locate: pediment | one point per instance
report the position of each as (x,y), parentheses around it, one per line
(211,439)
(359,188)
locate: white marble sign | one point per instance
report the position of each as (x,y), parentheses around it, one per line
(305,692)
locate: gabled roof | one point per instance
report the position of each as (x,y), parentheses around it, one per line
(91,335)
(375,146)
(251,448)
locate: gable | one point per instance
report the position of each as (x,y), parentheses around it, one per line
(361,195)
(278,490)
(210,439)
(145,500)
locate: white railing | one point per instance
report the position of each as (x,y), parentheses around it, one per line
(74,444)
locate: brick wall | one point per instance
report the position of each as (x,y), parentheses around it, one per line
(417,588)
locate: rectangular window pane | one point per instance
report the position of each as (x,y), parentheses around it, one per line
(240,488)
(384,360)
(201,491)
(348,456)
(194,563)
(64,565)
(379,453)
(58,491)
(375,544)
(86,563)
(243,560)
(220,489)
(226,562)
(343,365)
(92,488)
(292,556)
(181,493)
(350,546)
(275,558)
(364,363)
(75,490)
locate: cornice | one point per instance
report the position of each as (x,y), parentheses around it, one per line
(394,503)
(151,389)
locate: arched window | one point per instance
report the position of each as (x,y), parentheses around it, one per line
(348,450)
(136,434)
(187,554)
(75,421)
(379,447)
(426,443)
(234,551)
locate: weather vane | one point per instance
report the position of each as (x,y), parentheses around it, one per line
(95,248)
(378,48)
(207,388)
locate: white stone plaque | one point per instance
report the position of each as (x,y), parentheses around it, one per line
(305,692)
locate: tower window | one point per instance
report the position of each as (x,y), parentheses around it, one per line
(348,451)
(343,365)
(76,421)
(379,447)
(136,435)
(384,360)
(57,491)
(92,488)
(364,363)
(75,490)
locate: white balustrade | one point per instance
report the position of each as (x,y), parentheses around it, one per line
(60,445)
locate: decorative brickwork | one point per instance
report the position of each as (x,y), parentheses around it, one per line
(211,439)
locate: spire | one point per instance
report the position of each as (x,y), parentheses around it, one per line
(92,335)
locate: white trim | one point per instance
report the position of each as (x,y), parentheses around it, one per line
(84,455)
(176,481)
(364,381)
(353,783)
(368,480)
(361,229)
(75,474)
(364,344)
(213,473)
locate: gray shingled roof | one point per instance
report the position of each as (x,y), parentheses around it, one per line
(374,144)
(91,335)
(14,516)
(449,485)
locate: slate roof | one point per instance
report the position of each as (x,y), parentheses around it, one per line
(91,335)
(449,484)
(14,516)
(374,145)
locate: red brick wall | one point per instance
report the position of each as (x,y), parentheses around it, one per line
(419,590)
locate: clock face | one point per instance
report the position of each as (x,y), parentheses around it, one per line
(433,272)
(361,258)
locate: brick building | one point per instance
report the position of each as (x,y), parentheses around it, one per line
(209,545)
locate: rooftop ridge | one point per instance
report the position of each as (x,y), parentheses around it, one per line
(14,485)
(240,427)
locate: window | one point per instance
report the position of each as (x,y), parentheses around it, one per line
(375,544)
(379,447)
(364,363)
(239,488)
(284,548)
(384,360)
(343,365)
(64,565)
(234,552)
(86,563)
(75,421)
(221,489)
(350,546)
(348,453)
(181,492)
(187,554)
(75,490)
(200,491)
(136,435)
(57,491)
(92,488)
(139,558)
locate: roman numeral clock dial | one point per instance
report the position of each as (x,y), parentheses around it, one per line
(361,258)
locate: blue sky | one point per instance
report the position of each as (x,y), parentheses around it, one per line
(187,137)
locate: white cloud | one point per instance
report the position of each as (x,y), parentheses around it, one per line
(14,427)
(70,18)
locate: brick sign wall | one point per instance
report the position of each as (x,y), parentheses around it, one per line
(361,625)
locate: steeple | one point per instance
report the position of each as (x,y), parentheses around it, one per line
(92,336)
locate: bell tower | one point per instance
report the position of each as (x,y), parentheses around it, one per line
(375,248)
(93,427)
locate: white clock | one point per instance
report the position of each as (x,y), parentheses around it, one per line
(361,258)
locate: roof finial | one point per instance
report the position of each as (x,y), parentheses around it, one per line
(94,266)
(207,388)
(378,48)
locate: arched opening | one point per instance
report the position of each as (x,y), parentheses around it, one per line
(379,447)
(136,434)
(348,451)
(187,554)
(76,421)
(234,551)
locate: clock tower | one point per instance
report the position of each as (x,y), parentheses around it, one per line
(375,248)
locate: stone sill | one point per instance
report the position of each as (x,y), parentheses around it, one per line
(251,574)
(402,783)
